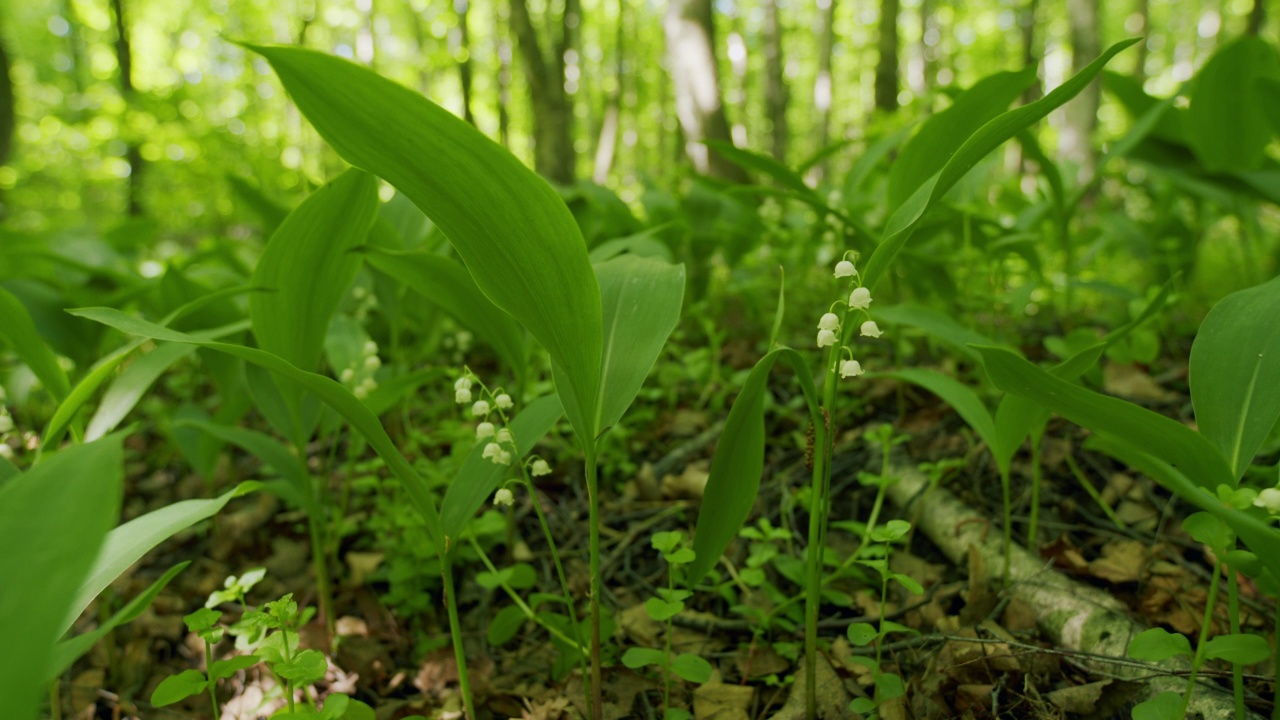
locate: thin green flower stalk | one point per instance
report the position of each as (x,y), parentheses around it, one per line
(833,333)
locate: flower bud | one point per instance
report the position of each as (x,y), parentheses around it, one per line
(870,329)
(844,268)
(540,467)
(860,299)
(503,497)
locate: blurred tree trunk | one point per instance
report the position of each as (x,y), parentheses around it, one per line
(1082,112)
(364,36)
(822,85)
(1140,60)
(503,43)
(8,117)
(607,148)
(463,52)
(887,65)
(124,61)
(775,86)
(1257,17)
(552,106)
(1030,48)
(695,75)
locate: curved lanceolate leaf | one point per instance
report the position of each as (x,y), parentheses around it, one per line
(327,389)
(446,283)
(53,520)
(1151,433)
(308,265)
(937,324)
(69,650)
(510,227)
(761,163)
(20,332)
(126,544)
(1235,372)
(479,477)
(738,462)
(939,136)
(129,387)
(641,305)
(1227,123)
(987,138)
(964,401)
(271,452)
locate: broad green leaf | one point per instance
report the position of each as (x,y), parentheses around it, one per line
(327,389)
(662,610)
(1235,373)
(448,284)
(69,650)
(646,243)
(1227,126)
(510,227)
(862,633)
(179,687)
(937,325)
(738,462)
(692,668)
(761,163)
(1165,706)
(1158,645)
(987,138)
(304,668)
(638,657)
(964,401)
(505,624)
(129,387)
(127,543)
(1209,530)
(307,267)
(53,519)
(479,478)
(642,299)
(271,452)
(941,135)
(1150,432)
(20,332)
(1238,649)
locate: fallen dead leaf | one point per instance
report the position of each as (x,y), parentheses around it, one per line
(1122,561)
(833,699)
(1080,699)
(1134,383)
(717,701)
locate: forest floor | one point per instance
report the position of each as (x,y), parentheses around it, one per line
(980,649)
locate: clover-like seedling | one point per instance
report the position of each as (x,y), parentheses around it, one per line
(203,622)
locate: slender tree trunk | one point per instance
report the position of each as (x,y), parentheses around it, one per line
(364,36)
(775,86)
(823,87)
(124,60)
(8,116)
(1082,112)
(552,111)
(887,65)
(460,8)
(1143,12)
(690,32)
(1030,48)
(503,43)
(607,148)
(1257,17)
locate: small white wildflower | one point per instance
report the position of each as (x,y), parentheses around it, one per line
(481,408)
(462,396)
(361,392)
(6,422)
(826,338)
(829,321)
(503,401)
(860,299)
(462,383)
(372,362)
(870,329)
(502,458)
(540,467)
(1270,500)
(370,348)
(491,451)
(484,430)
(844,268)
(504,437)
(850,368)
(503,497)
(6,452)
(347,375)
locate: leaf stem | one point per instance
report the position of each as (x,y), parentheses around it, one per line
(593,505)
(1198,659)
(455,629)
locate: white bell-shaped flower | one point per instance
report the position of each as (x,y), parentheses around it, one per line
(826,338)
(484,430)
(860,299)
(504,437)
(462,396)
(829,321)
(481,408)
(844,269)
(503,497)
(870,329)
(850,368)
(539,467)
(503,401)
(462,383)
(1269,499)
(502,458)
(491,451)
